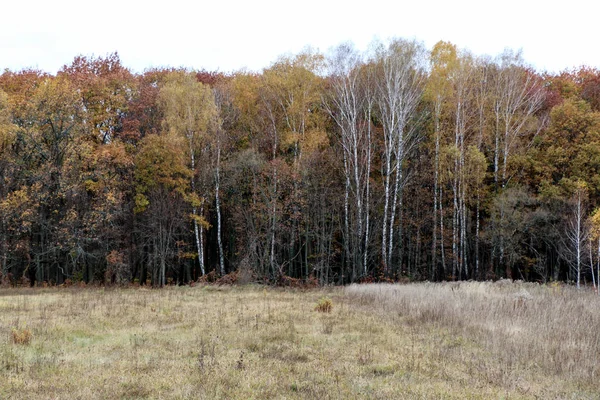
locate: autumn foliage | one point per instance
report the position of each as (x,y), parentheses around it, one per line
(404,163)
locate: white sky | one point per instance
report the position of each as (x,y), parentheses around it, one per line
(228,35)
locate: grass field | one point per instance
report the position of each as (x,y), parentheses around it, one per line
(418,341)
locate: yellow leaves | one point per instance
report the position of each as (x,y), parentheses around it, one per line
(7,130)
(19,207)
(193,199)
(444,56)
(54,99)
(293,88)
(71,216)
(112,198)
(115,153)
(160,163)
(289,140)
(595,224)
(91,186)
(188,255)
(448,155)
(573,187)
(315,140)
(188,105)
(444,60)
(245,92)
(476,165)
(15,199)
(141,202)
(7,137)
(571,120)
(200,220)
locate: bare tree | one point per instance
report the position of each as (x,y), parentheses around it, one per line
(350,106)
(400,79)
(576,232)
(222,101)
(594,240)
(518,96)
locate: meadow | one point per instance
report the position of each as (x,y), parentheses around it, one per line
(468,340)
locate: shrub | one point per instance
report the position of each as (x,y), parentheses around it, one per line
(324,305)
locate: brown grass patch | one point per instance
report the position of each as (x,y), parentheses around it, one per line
(21,336)
(239,342)
(324,305)
(528,329)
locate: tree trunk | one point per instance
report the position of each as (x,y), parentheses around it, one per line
(384,238)
(346,220)
(368,195)
(200,240)
(218,209)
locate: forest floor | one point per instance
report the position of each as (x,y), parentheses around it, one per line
(417,341)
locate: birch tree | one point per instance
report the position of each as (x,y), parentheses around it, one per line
(594,243)
(400,79)
(189,110)
(443,60)
(222,101)
(518,96)
(350,106)
(576,232)
(482,101)
(290,95)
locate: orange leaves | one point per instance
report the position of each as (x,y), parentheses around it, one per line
(105,89)
(19,208)
(315,140)
(115,258)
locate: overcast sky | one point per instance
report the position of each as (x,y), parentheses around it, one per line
(230,35)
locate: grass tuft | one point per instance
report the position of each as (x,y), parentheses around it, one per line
(21,336)
(324,305)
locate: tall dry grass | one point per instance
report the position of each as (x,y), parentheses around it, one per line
(552,330)
(421,341)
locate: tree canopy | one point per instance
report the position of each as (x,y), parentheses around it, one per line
(400,162)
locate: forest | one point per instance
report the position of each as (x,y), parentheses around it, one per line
(397,163)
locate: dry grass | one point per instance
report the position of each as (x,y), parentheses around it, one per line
(378,342)
(21,336)
(542,341)
(324,305)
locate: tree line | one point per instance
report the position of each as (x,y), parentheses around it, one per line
(400,162)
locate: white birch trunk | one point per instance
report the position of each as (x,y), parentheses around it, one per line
(199,228)
(347,217)
(384,244)
(368,196)
(578,241)
(598,266)
(197,234)
(218,209)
